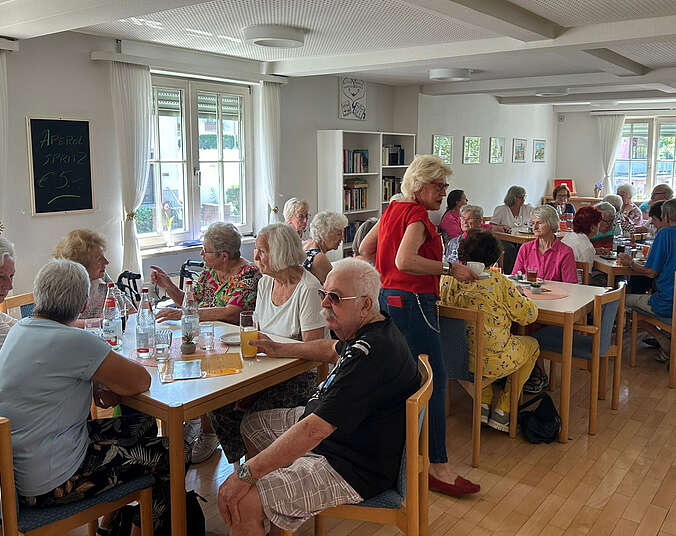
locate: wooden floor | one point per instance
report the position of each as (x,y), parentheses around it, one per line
(620,482)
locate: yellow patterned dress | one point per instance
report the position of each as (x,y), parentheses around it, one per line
(501,302)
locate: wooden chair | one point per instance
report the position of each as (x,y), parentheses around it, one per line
(452,325)
(592,347)
(407,506)
(652,324)
(25,302)
(584,266)
(58,520)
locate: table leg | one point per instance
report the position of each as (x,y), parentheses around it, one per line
(566,369)
(177,471)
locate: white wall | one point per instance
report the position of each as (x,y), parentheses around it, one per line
(578,151)
(481,115)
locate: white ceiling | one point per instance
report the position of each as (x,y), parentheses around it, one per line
(654,55)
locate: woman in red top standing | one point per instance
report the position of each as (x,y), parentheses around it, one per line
(407,249)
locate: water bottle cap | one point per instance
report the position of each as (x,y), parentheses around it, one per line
(111,285)
(144,291)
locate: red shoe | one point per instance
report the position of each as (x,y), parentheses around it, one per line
(460,487)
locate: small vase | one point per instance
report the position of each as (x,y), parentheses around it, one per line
(597,192)
(168,238)
(188,348)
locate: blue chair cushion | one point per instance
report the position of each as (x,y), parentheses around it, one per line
(387,499)
(31,518)
(666,320)
(551,339)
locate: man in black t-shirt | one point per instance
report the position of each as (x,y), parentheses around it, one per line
(346,444)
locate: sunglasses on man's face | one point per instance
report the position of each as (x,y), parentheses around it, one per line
(334,299)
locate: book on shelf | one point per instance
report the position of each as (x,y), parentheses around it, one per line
(393,155)
(355,161)
(351,230)
(355,195)
(391,186)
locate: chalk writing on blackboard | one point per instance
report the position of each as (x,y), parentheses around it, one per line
(60,165)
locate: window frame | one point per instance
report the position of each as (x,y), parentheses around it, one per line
(658,123)
(649,178)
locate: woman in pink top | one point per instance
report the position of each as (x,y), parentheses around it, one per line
(554,260)
(450,222)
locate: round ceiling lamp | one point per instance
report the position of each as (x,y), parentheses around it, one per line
(274,36)
(452,74)
(553,92)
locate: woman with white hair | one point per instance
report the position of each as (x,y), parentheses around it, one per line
(296,214)
(631,214)
(408,252)
(6,280)
(515,212)
(48,370)
(287,305)
(326,232)
(603,240)
(552,259)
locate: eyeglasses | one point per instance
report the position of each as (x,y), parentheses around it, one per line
(334,299)
(205,252)
(441,186)
(305,216)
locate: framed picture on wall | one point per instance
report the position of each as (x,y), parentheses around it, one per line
(352,103)
(538,150)
(442,146)
(497,151)
(471,149)
(519,149)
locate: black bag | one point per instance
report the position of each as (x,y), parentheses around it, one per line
(543,424)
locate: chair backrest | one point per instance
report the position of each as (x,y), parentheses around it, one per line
(7,490)
(453,322)
(608,308)
(582,272)
(25,303)
(187,273)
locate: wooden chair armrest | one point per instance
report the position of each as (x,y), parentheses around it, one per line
(584,328)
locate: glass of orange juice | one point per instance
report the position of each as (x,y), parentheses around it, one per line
(248,331)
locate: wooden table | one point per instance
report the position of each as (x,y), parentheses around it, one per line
(180,401)
(515,237)
(565,312)
(576,201)
(611,268)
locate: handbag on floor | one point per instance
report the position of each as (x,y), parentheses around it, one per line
(541,425)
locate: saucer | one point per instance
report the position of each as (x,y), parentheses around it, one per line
(230,338)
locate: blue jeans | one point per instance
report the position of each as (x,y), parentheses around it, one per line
(422,339)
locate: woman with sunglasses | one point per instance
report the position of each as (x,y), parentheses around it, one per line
(408,252)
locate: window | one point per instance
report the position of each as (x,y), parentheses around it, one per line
(631,158)
(665,152)
(199,168)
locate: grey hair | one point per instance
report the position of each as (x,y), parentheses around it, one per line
(293,206)
(626,188)
(607,210)
(225,238)
(324,223)
(286,249)
(365,277)
(669,211)
(60,290)
(666,188)
(6,250)
(513,194)
(614,200)
(548,215)
(424,169)
(361,233)
(476,211)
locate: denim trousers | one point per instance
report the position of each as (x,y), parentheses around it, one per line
(407,314)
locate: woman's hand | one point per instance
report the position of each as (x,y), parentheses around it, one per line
(624,259)
(463,273)
(168,313)
(159,277)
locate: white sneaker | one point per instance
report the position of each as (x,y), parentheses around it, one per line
(191,430)
(204,447)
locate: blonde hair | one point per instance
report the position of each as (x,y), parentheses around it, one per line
(293,206)
(80,245)
(424,169)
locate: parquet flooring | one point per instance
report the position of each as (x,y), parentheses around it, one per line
(621,482)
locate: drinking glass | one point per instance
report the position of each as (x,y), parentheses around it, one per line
(93,325)
(248,331)
(207,335)
(532,274)
(518,222)
(163,339)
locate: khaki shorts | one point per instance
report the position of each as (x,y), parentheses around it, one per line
(293,494)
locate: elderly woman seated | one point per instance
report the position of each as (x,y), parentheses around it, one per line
(553,260)
(6,280)
(586,224)
(287,305)
(502,304)
(88,248)
(631,214)
(561,200)
(326,232)
(48,369)
(603,240)
(450,221)
(471,217)
(359,236)
(297,214)
(515,212)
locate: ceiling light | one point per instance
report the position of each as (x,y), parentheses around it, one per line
(273,36)
(234,39)
(553,92)
(646,101)
(571,103)
(199,32)
(452,74)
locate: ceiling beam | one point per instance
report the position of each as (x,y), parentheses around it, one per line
(8,44)
(497,16)
(584,97)
(32,18)
(612,62)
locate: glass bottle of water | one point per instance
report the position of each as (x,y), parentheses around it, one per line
(190,318)
(112,322)
(145,327)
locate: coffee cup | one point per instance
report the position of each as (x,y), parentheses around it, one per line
(476,267)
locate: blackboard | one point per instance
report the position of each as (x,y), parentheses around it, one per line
(60,165)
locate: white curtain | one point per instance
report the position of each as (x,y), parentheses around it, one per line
(610,132)
(4,141)
(132,102)
(268,148)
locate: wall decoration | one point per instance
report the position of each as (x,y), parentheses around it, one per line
(497,151)
(352,103)
(519,149)
(538,150)
(442,146)
(471,150)
(59,163)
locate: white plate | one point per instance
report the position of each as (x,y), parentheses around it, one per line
(230,338)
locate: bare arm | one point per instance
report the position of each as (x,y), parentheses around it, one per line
(162,280)
(318,350)
(321,267)
(229,313)
(369,245)
(636,268)
(122,376)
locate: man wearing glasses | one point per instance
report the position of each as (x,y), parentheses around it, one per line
(345,445)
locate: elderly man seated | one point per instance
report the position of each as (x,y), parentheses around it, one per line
(345,445)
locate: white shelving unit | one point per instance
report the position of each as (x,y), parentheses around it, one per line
(331,177)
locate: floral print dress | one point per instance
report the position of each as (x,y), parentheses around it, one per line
(239,290)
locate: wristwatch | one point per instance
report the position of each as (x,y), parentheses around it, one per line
(244,473)
(445,268)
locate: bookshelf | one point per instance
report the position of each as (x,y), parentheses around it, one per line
(382,158)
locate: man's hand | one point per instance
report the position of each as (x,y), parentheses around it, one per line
(624,259)
(230,493)
(104,398)
(268,346)
(168,313)
(463,273)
